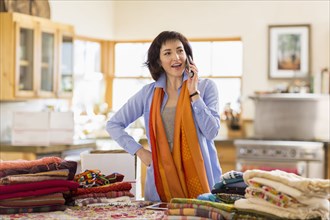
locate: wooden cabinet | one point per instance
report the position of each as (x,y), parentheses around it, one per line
(227,155)
(36,57)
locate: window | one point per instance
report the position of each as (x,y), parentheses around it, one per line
(221,60)
(88,79)
(89,88)
(130,73)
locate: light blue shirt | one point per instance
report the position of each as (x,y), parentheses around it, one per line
(206,117)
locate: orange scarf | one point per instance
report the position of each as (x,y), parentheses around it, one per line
(180,174)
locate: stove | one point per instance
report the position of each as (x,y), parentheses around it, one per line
(304,158)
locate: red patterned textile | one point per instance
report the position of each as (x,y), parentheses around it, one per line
(37,192)
(69,185)
(49,199)
(119,186)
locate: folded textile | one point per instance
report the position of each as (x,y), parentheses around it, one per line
(18,164)
(310,186)
(34,177)
(70,165)
(253,215)
(222,213)
(181,217)
(229,177)
(92,178)
(118,186)
(46,208)
(115,177)
(228,198)
(283,194)
(49,199)
(270,168)
(288,213)
(230,190)
(36,192)
(221,206)
(208,197)
(280,200)
(124,200)
(8,189)
(195,212)
(10,180)
(111,194)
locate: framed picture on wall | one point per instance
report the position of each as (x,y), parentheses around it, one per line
(289,51)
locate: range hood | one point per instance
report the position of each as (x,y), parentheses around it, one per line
(292,116)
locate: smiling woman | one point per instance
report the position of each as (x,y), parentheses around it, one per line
(173,97)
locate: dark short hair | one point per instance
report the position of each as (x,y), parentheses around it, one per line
(153,62)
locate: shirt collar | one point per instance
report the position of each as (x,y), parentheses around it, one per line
(161,82)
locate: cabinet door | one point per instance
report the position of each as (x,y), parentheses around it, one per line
(46,76)
(25,60)
(65,84)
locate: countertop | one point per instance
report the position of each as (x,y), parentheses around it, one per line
(76,144)
(290,96)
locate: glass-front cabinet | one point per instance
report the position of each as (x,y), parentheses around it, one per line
(36,58)
(46,87)
(25,80)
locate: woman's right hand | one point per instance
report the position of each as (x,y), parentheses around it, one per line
(145,156)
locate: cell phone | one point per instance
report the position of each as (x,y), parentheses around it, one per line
(189,60)
(158,206)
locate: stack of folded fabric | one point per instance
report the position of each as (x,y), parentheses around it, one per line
(36,186)
(285,195)
(180,208)
(98,189)
(219,204)
(230,188)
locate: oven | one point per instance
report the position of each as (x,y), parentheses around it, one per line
(304,158)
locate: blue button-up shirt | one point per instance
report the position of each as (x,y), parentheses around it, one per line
(206,117)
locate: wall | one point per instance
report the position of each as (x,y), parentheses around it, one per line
(92,18)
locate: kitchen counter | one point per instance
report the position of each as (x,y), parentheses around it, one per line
(77,144)
(9,151)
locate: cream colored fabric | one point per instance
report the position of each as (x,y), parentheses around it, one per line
(314,202)
(310,186)
(287,213)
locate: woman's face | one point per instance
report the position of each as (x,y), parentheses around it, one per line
(172,57)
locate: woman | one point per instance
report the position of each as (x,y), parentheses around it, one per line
(181,118)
